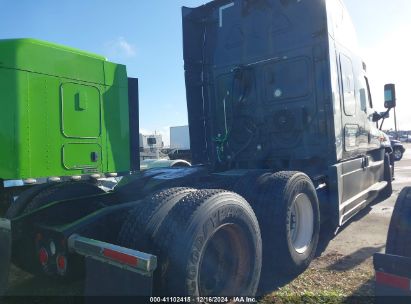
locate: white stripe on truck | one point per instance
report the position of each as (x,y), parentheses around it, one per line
(221,12)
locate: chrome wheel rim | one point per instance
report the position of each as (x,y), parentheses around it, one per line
(301,224)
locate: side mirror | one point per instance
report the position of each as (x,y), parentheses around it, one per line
(389,96)
(376,117)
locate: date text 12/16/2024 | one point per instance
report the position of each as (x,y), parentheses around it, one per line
(203,300)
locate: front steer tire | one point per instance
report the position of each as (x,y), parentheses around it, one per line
(208,244)
(388,177)
(398,154)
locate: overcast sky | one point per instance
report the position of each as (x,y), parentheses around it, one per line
(146,36)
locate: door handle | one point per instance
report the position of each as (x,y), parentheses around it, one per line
(94,157)
(365,162)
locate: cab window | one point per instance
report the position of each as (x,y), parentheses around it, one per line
(348,85)
(368,93)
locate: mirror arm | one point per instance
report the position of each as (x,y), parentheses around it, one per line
(383,118)
(382,123)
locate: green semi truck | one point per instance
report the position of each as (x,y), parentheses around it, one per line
(283,137)
(66,115)
(64,112)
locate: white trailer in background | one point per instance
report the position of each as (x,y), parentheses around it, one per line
(180,138)
(154,141)
(151,155)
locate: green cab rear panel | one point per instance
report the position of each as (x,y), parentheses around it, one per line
(63,112)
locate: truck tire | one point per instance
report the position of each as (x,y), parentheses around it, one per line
(5,258)
(387,191)
(147,218)
(398,154)
(247,185)
(287,209)
(209,244)
(62,191)
(399,232)
(6,198)
(24,256)
(17,207)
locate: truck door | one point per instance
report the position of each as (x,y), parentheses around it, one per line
(362,162)
(81,126)
(350,119)
(353,172)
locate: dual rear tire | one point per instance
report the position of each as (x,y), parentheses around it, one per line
(287,209)
(208,243)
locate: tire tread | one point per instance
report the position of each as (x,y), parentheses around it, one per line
(399,232)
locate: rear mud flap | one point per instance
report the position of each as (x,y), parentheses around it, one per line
(5,253)
(393,277)
(103,279)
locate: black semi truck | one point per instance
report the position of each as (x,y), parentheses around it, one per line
(283,136)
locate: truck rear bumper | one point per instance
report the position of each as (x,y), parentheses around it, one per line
(113,270)
(5,253)
(110,270)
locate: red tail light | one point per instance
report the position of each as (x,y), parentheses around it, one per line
(61,262)
(43,256)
